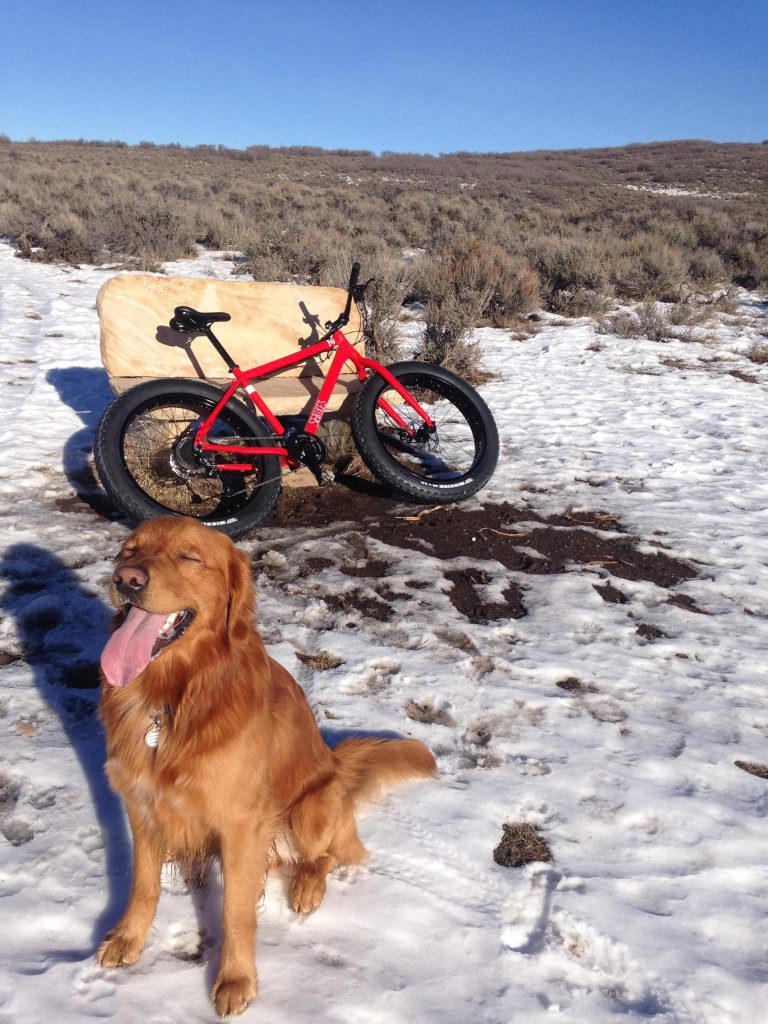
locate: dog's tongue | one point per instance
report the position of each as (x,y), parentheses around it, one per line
(129,649)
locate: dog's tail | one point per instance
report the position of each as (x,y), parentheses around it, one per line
(370,766)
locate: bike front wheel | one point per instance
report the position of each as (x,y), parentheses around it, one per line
(146,460)
(447,463)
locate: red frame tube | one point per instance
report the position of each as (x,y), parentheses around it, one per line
(345,352)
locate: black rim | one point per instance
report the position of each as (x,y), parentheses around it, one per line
(157,453)
(447,455)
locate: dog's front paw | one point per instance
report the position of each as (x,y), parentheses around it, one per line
(119,950)
(307,890)
(232,995)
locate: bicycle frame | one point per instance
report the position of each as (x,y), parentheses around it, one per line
(345,352)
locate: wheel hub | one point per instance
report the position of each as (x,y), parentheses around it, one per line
(425,437)
(186,461)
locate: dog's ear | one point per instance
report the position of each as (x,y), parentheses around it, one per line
(241,596)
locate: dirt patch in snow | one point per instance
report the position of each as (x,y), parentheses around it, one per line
(515,539)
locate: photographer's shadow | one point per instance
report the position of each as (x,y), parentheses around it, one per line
(62,627)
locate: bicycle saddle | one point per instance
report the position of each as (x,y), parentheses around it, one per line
(187,319)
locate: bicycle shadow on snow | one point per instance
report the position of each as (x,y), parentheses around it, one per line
(86,390)
(62,626)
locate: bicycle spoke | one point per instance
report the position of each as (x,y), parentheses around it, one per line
(151,454)
(449,451)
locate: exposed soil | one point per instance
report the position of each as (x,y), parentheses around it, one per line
(356,602)
(573,685)
(515,539)
(469,601)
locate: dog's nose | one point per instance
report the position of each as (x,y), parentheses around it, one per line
(130,577)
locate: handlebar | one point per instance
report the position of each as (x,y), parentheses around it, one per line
(355,291)
(351,290)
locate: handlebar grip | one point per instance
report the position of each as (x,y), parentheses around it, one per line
(350,290)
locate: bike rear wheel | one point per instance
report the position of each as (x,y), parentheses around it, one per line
(145,457)
(449,463)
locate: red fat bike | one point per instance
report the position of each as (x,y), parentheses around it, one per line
(188,448)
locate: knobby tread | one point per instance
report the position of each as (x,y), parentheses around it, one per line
(126,494)
(384,466)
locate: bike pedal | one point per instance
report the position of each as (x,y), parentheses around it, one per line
(324,476)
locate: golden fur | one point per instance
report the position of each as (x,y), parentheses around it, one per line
(240,766)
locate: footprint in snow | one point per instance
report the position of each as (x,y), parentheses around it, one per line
(43,798)
(94,987)
(376,677)
(430,711)
(593,962)
(527,914)
(15,830)
(187,944)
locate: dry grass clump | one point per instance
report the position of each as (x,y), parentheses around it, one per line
(520,844)
(753,768)
(320,662)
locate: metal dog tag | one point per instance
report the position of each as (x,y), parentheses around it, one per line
(152,735)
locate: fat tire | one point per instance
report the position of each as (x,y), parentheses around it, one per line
(463,397)
(122,488)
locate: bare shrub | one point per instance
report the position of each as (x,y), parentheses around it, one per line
(447,325)
(648,321)
(686,314)
(706,268)
(517,295)
(572,274)
(504,289)
(714,230)
(66,237)
(748,266)
(623,324)
(567,217)
(757,352)
(148,231)
(652,322)
(457,294)
(269,266)
(650,268)
(11,219)
(384,297)
(725,302)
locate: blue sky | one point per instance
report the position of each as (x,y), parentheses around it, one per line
(425,76)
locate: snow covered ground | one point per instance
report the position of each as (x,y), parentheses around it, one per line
(655,902)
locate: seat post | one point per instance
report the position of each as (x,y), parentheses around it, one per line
(231,364)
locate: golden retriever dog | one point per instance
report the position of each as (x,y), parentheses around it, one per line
(214,750)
